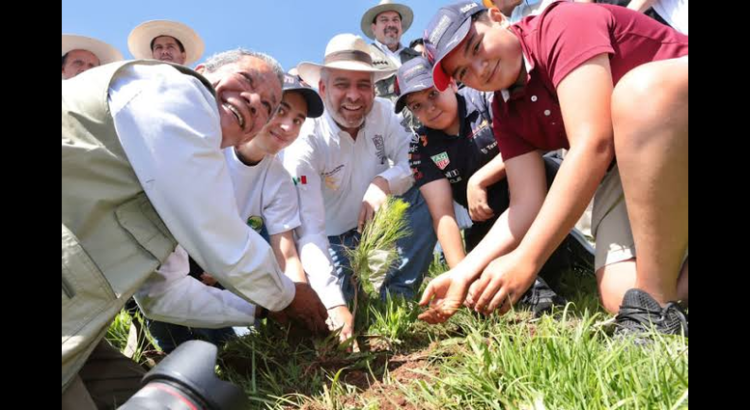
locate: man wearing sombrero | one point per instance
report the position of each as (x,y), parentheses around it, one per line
(345,163)
(385,24)
(166,40)
(81,53)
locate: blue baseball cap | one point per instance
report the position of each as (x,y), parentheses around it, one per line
(445,31)
(414,75)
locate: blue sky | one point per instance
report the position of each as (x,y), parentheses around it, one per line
(291,31)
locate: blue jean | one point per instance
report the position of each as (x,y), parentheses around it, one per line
(169,335)
(414,252)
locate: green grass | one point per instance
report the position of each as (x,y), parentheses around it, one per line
(510,362)
(144,350)
(567,360)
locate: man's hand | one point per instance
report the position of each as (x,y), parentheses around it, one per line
(207,279)
(476,197)
(374,198)
(340,317)
(307,310)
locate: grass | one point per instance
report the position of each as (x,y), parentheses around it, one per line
(143,349)
(567,360)
(470,362)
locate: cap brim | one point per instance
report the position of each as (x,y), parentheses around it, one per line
(139,40)
(400,103)
(439,76)
(313,100)
(401,100)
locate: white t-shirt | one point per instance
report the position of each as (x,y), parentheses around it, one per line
(264,191)
(674,12)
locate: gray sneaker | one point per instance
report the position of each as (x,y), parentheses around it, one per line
(639,312)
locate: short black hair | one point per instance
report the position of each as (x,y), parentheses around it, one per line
(482,16)
(416,42)
(179,43)
(65,57)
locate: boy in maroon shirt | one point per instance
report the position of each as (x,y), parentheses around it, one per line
(610,85)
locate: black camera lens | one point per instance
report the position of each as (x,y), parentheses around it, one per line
(185,380)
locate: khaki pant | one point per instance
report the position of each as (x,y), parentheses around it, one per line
(107,380)
(610,224)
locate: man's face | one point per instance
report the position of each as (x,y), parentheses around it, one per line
(166,49)
(489,58)
(283,128)
(435,109)
(387,28)
(77,62)
(348,96)
(247,93)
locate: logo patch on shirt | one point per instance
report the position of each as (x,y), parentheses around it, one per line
(476,130)
(441,160)
(330,180)
(301,180)
(255,222)
(380,147)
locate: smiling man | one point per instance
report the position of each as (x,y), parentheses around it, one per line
(385,23)
(345,163)
(166,40)
(143,170)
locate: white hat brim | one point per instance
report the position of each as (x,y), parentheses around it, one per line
(103,51)
(139,40)
(407,17)
(310,72)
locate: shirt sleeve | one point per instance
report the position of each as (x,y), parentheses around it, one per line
(281,214)
(397,149)
(312,242)
(168,125)
(170,295)
(423,167)
(570,35)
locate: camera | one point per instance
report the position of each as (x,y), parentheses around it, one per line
(185,380)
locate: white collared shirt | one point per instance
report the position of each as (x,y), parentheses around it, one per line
(332,173)
(394,56)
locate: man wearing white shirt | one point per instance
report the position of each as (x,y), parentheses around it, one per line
(143,170)
(342,167)
(267,201)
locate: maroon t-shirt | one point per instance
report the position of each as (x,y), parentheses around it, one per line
(557,41)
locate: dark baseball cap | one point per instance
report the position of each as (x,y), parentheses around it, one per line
(314,102)
(414,75)
(445,31)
